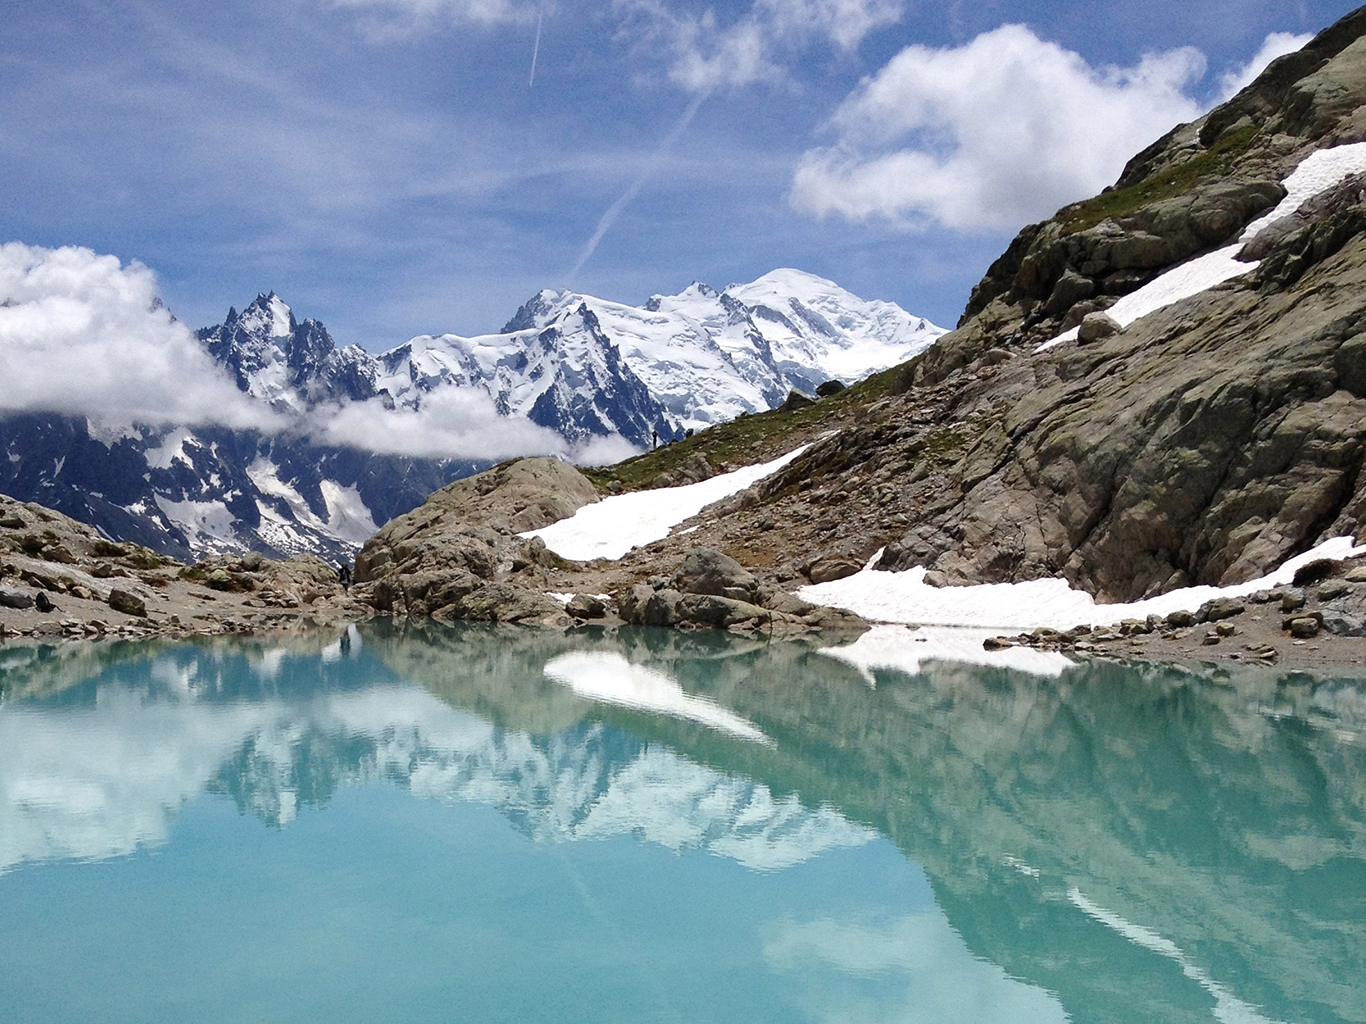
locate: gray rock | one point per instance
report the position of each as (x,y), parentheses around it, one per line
(631,603)
(1292,599)
(661,609)
(719,612)
(1221,608)
(708,571)
(1344,625)
(129,604)
(823,570)
(1330,590)
(797,400)
(1181,620)
(586,606)
(11,598)
(1070,289)
(829,387)
(506,602)
(1097,327)
(1303,626)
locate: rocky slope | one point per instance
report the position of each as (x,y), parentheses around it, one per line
(1201,441)
(62,578)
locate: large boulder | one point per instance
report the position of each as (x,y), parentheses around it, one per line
(128,603)
(708,571)
(504,602)
(11,598)
(460,556)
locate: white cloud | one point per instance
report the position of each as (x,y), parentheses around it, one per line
(1277,44)
(929,971)
(705,55)
(453,423)
(82,334)
(1004,129)
(399,16)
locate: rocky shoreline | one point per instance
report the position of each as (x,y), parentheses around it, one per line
(61,579)
(1319,619)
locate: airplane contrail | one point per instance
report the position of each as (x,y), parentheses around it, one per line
(614,211)
(536,49)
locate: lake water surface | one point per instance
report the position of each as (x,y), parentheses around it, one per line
(487,825)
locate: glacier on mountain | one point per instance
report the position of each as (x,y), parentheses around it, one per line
(570,375)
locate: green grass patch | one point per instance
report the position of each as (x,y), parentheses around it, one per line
(1172,181)
(740,442)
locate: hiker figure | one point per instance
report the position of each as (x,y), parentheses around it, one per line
(656,437)
(344,576)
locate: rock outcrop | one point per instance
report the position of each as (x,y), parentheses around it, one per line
(61,578)
(711,590)
(458,556)
(1203,443)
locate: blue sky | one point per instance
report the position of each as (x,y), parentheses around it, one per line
(386,165)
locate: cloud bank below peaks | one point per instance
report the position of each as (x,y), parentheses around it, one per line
(82,334)
(453,423)
(1002,130)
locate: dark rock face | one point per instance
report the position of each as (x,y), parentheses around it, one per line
(1206,442)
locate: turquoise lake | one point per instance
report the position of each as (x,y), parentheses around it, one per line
(487,825)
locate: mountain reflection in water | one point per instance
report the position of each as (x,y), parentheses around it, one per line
(1132,843)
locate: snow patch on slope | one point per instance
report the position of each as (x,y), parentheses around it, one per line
(613,526)
(172,447)
(1316,174)
(206,524)
(906,597)
(348,518)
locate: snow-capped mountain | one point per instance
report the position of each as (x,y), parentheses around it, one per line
(288,365)
(703,356)
(583,367)
(190,492)
(567,375)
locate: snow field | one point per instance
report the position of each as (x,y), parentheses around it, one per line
(905,597)
(613,526)
(1317,173)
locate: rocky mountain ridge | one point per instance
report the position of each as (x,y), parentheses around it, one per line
(565,362)
(1207,439)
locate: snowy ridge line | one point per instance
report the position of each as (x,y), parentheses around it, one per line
(613,526)
(905,597)
(1316,174)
